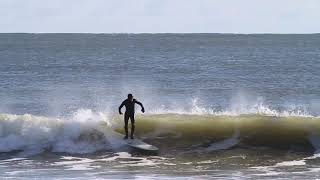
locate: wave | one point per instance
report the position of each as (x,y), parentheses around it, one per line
(87,132)
(217,132)
(35,133)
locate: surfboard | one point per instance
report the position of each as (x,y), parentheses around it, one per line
(137,143)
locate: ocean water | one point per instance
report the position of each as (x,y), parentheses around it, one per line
(217,106)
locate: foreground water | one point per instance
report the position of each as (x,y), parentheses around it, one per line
(224,106)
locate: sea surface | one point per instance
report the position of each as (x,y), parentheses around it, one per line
(222,106)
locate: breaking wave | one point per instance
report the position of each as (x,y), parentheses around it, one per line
(30,133)
(87,132)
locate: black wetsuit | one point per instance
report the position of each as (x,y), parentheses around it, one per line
(129,113)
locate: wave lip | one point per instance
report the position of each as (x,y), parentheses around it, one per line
(238,109)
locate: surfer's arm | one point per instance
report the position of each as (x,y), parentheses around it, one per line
(122,104)
(142,108)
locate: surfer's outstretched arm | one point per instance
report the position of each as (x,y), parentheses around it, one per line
(122,104)
(142,108)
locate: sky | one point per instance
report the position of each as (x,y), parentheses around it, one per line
(160,16)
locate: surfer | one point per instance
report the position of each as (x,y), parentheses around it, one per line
(129,104)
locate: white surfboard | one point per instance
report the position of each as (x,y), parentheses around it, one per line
(136,143)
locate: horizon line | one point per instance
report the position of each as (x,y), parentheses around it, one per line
(124,33)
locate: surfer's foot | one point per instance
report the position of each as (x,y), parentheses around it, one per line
(126,137)
(132,137)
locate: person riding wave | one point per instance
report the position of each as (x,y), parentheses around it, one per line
(129,103)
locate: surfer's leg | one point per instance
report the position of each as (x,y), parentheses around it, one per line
(132,126)
(126,120)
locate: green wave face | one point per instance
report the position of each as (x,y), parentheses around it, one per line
(176,130)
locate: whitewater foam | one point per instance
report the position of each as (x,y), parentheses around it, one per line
(291,163)
(33,134)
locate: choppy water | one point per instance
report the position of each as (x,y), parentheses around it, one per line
(241,106)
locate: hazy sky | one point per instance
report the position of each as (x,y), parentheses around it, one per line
(135,16)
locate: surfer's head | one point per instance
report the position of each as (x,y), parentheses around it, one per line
(130,97)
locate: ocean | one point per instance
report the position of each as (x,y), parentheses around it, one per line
(225,106)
